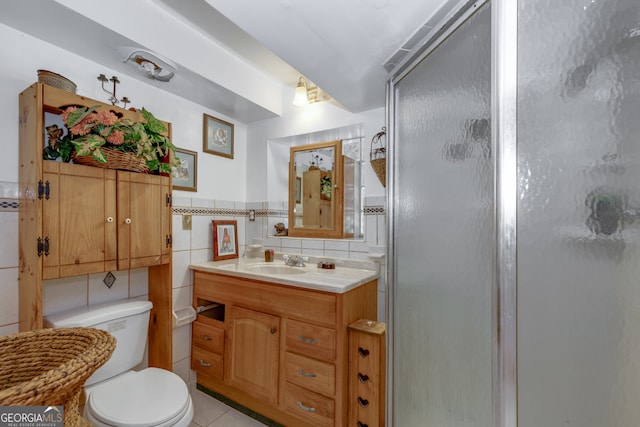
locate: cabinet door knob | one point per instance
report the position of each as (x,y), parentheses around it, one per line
(305,408)
(272,330)
(110,219)
(361,424)
(363,352)
(203,337)
(204,364)
(127,221)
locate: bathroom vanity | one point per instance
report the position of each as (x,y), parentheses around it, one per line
(274,338)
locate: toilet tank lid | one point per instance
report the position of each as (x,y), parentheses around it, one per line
(96,314)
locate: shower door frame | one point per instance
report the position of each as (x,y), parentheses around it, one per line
(504,38)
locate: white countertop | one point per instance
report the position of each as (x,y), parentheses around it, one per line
(339,280)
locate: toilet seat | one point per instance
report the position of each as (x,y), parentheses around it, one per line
(152,397)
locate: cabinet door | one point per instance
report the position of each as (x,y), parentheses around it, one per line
(78,220)
(254,349)
(142,220)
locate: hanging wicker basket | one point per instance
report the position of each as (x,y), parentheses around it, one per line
(378,155)
(48,367)
(115,160)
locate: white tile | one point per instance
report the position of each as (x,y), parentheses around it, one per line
(202,255)
(241,231)
(233,418)
(336,254)
(202,203)
(371,229)
(182,297)
(291,244)
(180,201)
(201,232)
(181,343)
(9,241)
(99,293)
(181,238)
(180,269)
(313,252)
(313,244)
(65,294)
(224,204)
(359,247)
(138,282)
(9,291)
(382,230)
(359,255)
(13,328)
(375,201)
(206,408)
(273,243)
(336,245)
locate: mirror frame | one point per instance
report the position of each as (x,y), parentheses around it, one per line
(337,198)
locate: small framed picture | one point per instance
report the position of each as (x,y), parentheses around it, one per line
(225,240)
(298,189)
(218,137)
(185,177)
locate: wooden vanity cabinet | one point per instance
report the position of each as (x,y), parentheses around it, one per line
(285,351)
(76,220)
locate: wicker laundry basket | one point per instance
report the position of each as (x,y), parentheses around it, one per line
(48,367)
(115,160)
(56,80)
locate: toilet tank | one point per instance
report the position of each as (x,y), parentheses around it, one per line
(127,321)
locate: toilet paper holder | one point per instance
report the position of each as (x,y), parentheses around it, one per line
(183,316)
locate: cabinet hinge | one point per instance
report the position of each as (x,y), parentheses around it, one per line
(168,200)
(43,246)
(168,240)
(43,190)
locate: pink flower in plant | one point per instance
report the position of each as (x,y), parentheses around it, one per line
(65,114)
(106,118)
(116,137)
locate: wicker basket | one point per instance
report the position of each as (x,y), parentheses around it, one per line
(115,160)
(56,80)
(48,367)
(378,156)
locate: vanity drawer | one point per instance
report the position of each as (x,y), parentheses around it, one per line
(310,407)
(312,374)
(208,338)
(312,340)
(207,363)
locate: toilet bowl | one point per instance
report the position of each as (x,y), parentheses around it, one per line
(116,395)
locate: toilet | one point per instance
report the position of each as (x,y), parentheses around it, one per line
(116,395)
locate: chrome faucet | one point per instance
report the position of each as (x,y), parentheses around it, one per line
(295,260)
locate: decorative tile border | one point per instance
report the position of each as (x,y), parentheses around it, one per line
(368,210)
(9,205)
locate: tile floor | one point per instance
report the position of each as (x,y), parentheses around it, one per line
(209,412)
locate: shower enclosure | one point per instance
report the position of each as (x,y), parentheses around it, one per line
(514,200)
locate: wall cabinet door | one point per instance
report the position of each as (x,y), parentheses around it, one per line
(143,220)
(254,353)
(79,227)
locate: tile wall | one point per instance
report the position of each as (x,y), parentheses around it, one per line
(189,246)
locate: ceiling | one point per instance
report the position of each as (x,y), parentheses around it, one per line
(344,47)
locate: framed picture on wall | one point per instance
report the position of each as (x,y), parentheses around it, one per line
(225,240)
(185,176)
(218,137)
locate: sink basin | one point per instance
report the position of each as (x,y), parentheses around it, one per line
(275,269)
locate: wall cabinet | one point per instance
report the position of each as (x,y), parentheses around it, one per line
(282,351)
(76,220)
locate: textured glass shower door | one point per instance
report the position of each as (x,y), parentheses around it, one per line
(578,210)
(443,234)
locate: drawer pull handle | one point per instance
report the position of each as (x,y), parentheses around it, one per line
(203,337)
(307,340)
(304,374)
(363,378)
(304,408)
(361,424)
(363,352)
(204,364)
(363,402)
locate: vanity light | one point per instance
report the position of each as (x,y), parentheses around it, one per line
(304,95)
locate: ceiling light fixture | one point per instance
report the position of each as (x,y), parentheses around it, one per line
(305,95)
(151,65)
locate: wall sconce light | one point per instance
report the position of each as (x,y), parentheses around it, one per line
(151,65)
(304,95)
